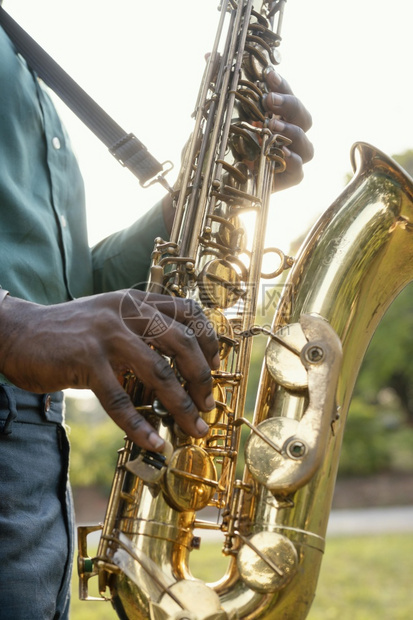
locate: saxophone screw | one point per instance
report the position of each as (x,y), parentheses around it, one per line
(296,449)
(314,354)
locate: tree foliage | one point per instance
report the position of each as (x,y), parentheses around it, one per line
(95,440)
(389,359)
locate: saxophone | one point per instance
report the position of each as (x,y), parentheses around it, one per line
(357,258)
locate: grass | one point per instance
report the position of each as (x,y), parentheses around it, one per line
(366,578)
(362,578)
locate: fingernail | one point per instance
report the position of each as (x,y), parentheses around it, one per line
(278,125)
(276,98)
(155,441)
(287,151)
(273,76)
(210,402)
(201,426)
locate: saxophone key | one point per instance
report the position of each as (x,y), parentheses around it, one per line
(267,561)
(191,479)
(150,466)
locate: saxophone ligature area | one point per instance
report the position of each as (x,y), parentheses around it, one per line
(358,256)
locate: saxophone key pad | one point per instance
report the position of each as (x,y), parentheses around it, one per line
(283,358)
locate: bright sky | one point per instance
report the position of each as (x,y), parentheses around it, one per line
(142,61)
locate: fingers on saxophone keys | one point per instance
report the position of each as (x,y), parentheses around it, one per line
(178,329)
(293,174)
(275,82)
(194,356)
(157,375)
(198,328)
(183,405)
(289,107)
(300,143)
(118,405)
(295,169)
(181,344)
(191,315)
(186,312)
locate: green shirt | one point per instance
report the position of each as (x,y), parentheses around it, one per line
(44,249)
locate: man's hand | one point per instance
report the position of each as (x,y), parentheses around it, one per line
(89,342)
(292,120)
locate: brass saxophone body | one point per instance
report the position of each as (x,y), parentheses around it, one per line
(354,262)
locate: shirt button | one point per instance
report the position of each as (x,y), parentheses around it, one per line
(63,221)
(47,403)
(56,143)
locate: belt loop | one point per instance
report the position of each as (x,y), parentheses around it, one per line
(8,390)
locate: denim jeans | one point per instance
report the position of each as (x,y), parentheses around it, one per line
(36,513)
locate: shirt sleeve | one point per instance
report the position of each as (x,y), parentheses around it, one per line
(122,260)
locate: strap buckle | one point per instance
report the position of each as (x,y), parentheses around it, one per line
(132,154)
